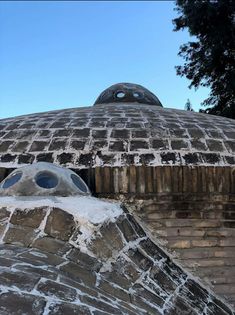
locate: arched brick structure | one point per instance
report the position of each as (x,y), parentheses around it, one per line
(173,170)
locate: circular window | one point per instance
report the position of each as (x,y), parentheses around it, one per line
(79,183)
(12,180)
(120,94)
(46,180)
(138,95)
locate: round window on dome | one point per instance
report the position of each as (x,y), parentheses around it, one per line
(46,180)
(120,94)
(138,95)
(12,180)
(79,183)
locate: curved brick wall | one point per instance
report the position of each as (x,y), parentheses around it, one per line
(47,267)
(190,210)
(173,169)
(118,135)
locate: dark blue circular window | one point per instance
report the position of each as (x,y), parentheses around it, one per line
(79,183)
(12,180)
(46,180)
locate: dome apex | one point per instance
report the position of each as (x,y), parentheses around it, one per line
(127,93)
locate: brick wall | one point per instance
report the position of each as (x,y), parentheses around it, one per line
(47,266)
(190,210)
(199,231)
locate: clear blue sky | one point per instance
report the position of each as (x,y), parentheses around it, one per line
(62,54)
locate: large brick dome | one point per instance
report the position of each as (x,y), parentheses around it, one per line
(118,135)
(172,173)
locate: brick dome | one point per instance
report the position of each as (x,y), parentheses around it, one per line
(118,135)
(58,257)
(127,93)
(172,172)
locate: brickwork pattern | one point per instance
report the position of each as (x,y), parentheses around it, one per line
(118,135)
(200,236)
(122,271)
(189,209)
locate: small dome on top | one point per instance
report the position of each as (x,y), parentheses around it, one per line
(127,93)
(43,179)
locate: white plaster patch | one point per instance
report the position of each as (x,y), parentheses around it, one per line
(88,209)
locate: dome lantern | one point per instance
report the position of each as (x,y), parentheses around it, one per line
(127,93)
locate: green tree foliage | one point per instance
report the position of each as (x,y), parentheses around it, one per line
(210,58)
(188,106)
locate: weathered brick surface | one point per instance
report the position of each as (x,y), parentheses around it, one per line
(149,295)
(178,306)
(199,230)
(21,235)
(124,271)
(26,158)
(106,307)
(56,290)
(77,272)
(115,291)
(68,309)
(45,157)
(51,245)
(40,259)
(31,218)
(60,224)
(127,229)
(21,280)
(77,284)
(138,257)
(5,145)
(172,136)
(6,158)
(111,236)
(39,146)
(16,303)
(65,158)
(4,216)
(143,303)
(83,259)
(190,209)
(29,269)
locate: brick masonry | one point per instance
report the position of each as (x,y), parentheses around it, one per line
(172,169)
(118,135)
(189,210)
(117,270)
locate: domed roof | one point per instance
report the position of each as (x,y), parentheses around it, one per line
(127,93)
(43,179)
(118,134)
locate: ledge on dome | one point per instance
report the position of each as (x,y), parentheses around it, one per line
(127,93)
